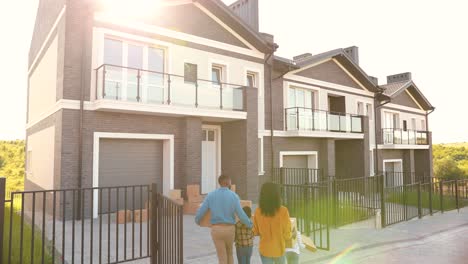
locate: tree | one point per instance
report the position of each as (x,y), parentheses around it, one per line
(2,162)
(447,168)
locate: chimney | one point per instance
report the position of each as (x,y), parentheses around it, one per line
(268,37)
(247,10)
(353,53)
(374,80)
(302,57)
(400,77)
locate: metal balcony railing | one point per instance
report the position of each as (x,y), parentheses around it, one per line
(308,119)
(121,83)
(404,137)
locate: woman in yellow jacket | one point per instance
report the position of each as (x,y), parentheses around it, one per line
(272,224)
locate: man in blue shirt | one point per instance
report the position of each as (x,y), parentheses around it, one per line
(223,204)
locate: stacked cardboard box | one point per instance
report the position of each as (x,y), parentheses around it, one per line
(194,199)
(124,216)
(176,196)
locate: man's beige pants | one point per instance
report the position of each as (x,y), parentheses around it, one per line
(223,239)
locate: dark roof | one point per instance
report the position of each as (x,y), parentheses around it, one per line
(392,90)
(230,18)
(344,60)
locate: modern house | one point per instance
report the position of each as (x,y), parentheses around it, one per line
(116,99)
(403,141)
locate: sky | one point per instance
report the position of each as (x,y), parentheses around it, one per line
(427,38)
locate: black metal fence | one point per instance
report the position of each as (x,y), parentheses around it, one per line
(355,199)
(310,205)
(89,225)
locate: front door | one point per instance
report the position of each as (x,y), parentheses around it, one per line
(209,160)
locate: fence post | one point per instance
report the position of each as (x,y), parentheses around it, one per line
(2,213)
(335,201)
(430,196)
(419,201)
(153,227)
(441,190)
(382,201)
(456,195)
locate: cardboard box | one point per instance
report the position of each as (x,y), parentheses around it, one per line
(191,208)
(143,215)
(179,201)
(124,216)
(193,190)
(309,244)
(175,194)
(206,220)
(195,199)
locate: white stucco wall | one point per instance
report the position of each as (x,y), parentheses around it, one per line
(40,155)
(43,84)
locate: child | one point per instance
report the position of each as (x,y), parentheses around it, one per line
(244,239)
(292,254)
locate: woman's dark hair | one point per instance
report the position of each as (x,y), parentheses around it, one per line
(270,200)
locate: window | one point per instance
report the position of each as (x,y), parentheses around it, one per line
(405,125)
(260,156)
(298,97)
(423,125)
(369,111)
(217,74)
(190,72)
(113,52)
(391,120)
(413,124)
(251,79)
(371,163)
(360,108)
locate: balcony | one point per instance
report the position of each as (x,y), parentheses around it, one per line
(308,119)
(396,136)
(167,91)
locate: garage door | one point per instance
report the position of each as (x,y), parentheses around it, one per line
(295,161)
(124,162)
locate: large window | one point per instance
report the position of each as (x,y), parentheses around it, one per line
(300,108)
(369,111)
(360,108)
(123,60)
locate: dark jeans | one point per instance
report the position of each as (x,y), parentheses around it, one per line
(244,254)
(292,258)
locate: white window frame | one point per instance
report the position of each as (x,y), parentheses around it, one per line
(369,111)
(254,76)
(360,108)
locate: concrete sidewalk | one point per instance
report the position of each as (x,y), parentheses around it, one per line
(361,240)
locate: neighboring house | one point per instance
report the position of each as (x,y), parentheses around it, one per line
(322,114)
(404,142)
(192,91)
(174,99)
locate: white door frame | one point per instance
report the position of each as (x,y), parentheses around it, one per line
(168,159)
(217,128)
(394,161)
(309,155)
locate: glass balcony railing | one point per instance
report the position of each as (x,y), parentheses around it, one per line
(137,85)
(301,118)
(404,137)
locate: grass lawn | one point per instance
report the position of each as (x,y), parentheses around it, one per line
(27,234)
(449,202)
(322,213)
